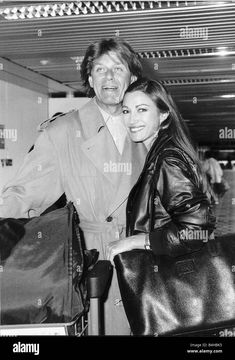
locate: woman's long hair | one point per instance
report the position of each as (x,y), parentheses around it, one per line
(174,124)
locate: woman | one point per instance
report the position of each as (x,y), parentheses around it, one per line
(169,208)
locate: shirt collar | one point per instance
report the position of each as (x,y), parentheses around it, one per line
(105,114)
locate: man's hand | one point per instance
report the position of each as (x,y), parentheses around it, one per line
(11,231)
(212,168)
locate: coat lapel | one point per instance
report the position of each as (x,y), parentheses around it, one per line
(96,134)
(132,162)
(121,171)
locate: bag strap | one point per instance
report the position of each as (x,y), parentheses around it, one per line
(153,190)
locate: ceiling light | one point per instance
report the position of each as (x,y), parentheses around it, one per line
(7,11)
(29,15)
(74,8)
(228,96)
(12,17)
(222,51)
(44,62)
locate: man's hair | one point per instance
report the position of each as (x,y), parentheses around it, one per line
(117,45)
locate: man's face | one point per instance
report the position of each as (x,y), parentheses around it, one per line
(110,78)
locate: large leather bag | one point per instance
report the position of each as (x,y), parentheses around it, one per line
(167,296)
(193,293)
(43,280)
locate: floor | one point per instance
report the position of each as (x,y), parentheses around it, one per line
(225,210)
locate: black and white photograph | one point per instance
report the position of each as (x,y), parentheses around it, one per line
(117,175)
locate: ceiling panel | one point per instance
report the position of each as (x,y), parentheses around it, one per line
(189,45)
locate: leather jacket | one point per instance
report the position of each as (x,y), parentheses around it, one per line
(170,202)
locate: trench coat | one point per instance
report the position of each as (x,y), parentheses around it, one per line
(76,154)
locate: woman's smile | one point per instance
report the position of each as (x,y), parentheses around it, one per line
(135,129)
(141,116)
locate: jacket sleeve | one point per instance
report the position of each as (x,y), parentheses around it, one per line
(37,183)
(190,222)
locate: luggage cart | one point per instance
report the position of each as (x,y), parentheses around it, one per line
(86,324)
(98,280)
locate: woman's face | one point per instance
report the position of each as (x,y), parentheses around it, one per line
(141,116)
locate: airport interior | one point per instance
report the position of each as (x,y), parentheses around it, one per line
(187,45)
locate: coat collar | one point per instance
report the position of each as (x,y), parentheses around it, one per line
(91,119)
(96,134)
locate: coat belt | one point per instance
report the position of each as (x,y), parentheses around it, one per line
(99,226)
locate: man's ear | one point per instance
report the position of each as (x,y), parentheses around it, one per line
(90,81)
(163,116)
(133,78)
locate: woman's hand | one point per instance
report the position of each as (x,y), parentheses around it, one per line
(127,244)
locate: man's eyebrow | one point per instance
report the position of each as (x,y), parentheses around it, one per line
(95,62)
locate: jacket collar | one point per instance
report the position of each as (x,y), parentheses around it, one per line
(160,142)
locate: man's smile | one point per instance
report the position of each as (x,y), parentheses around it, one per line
(109,88)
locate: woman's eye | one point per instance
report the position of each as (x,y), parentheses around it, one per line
(142,109)
(125,111)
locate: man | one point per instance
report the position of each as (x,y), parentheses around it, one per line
(88,155)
